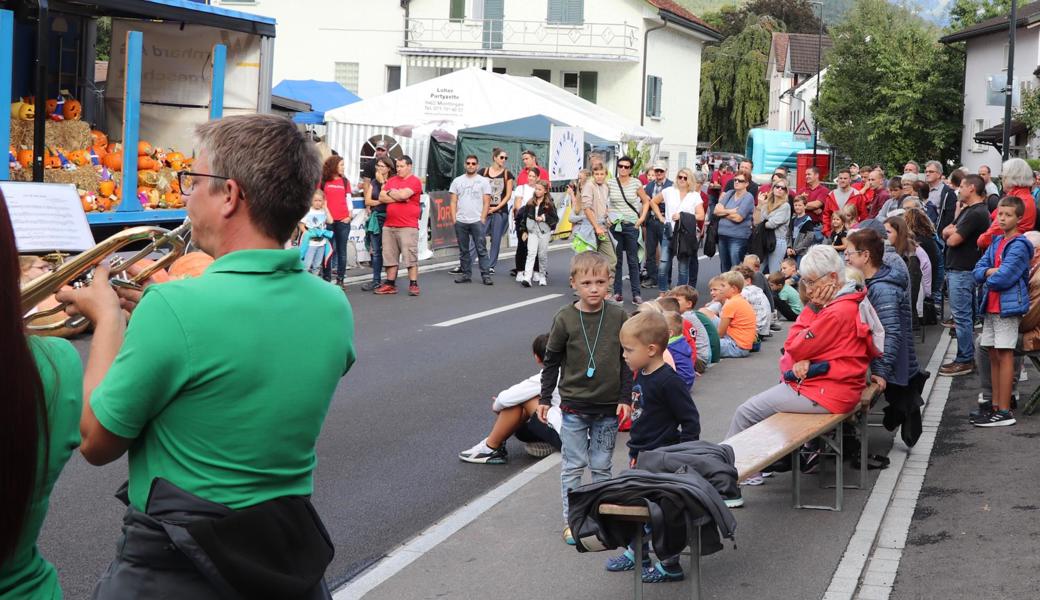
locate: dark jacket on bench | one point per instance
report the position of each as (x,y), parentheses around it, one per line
(675,502)
(714,462)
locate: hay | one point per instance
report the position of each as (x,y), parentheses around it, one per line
(70,135)
(83,178)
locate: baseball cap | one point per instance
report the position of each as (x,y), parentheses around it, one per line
(660,166)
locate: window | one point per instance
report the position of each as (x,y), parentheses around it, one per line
(653,96)
(570,82)
(393,78)
(682,160)
(543,74)
(347,75)
(977,125)
(499,70)
(582,83)
(457,10)
(566,12)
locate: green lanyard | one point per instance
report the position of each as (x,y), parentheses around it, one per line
(591,370)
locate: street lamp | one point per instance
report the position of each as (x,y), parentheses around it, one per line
(819,64)
(1009,89)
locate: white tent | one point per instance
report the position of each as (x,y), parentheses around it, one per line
(467,98)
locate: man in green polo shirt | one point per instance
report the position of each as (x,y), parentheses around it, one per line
(219,386)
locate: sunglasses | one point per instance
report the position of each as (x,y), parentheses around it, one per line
(780,187)
(681,178)
(504,157)
(624,166)
(740,181)
(469,162)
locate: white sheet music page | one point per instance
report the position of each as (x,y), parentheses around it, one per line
(47,217)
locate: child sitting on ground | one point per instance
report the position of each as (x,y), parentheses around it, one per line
(706,337)
(664,414)
(682,352)
(736,321)
(669,304)
(757,278)
(789,267)
(515,409)
(756,297)
(786,298)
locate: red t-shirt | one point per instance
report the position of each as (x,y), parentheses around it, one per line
(404,214)
(815,195)
(521,179)
(336,191)
(993,298)
(691,336)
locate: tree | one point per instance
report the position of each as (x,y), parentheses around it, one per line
(798,16)
(965,13)
(892,93)
(103,47)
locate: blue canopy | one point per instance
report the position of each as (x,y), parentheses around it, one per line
(321,95)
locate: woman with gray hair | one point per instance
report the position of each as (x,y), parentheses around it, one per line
(1017,178)
(828,349)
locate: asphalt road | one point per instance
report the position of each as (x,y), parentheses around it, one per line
(387,456)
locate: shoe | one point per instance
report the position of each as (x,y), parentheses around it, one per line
(413,289)
(567,537)
(619,298)
(482,454)
(734,502)
(648,284)
(512,272)
(386,289)
(754,480)
(980,414)
(997,418)
(339,282)
(775,327)
(464,279)
(658,574)
(539,449)
(492,270)
(542,282)
(625,562)
(953,369)
(456,271)
(811,463)
(637,300)
(487,281)
(520,277)
(526,282)
(948,323)
(368,286)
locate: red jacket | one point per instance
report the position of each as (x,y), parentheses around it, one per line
(830,206)
(1024,224)
(838,336)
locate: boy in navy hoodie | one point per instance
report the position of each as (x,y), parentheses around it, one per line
(1003,272)
(680,348)
(663,414)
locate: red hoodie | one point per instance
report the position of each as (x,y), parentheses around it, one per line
(838,336)
(1024,224)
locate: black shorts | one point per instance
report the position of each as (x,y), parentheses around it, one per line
(536,431)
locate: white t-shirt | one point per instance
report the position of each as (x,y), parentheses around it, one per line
(315,219)
(674,204)
(522,194)
(470,191)
(991,189)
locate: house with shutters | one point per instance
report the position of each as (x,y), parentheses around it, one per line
(638,58)
(793,61)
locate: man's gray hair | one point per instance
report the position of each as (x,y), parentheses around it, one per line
(1016,173)
(1034,238)
(934,163)
(822,260)
(274,163)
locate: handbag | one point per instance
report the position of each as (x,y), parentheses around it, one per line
(711,236)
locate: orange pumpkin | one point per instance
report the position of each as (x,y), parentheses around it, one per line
(191,264)
(113,161)
(173,199)
(87,205)
(107,188)
(80,158)
(72,110)
(175,160)
(104,203)
(25,157)
(113,147)
(144,148)
(51,160)
(145,163)
(51,105)
(160,276)
(98,138)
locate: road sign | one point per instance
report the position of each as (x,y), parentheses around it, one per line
(802,131)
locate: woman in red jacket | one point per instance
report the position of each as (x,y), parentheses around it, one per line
(337,200)
(827,351)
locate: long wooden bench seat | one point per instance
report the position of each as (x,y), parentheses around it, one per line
(764,443)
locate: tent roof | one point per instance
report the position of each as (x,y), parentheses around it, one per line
(473,97)
(321,95)
(535,127)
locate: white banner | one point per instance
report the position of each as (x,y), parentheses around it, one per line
(566,152)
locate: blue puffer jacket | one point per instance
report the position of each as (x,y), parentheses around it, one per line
(889,293)
(1011,279)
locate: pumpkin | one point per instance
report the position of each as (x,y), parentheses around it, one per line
(107,188)
(154,199)
(173,199)
(145,163)
(159,276)
(84,199)
(50,159)
(175,160)
(144,148)
(191,264)
(25,157)
(113,161)
(23,111)
(79,158)
(104,203)
(147,178)
(98,138)
(113,147)
(50,106)
(72,110)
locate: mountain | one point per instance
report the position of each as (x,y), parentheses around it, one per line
(936,11)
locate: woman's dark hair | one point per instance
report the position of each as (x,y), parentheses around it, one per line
(539,345)
(919,223)
(869,241)
(496,151)
(330,170)
(921,190)
(23,421)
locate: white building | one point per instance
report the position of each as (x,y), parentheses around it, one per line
(985,77)
(801,99)
(793,60)
(638,58)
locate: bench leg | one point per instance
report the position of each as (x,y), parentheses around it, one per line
(863,448)
(695,564)
(639,562)
(836,448)
(796,480)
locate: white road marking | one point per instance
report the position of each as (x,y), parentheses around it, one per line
(495,311)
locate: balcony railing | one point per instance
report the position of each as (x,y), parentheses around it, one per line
(506,37)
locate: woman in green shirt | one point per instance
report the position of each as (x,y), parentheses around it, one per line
(39,429)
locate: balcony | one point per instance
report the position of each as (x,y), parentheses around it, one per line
(521,39)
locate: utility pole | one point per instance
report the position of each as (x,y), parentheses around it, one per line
(819,65)
(1009,89)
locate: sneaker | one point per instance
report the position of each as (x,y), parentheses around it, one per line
(981,413)
(456,271)
(539,449)
(625,562)
(567,537)
(754,480)
(775,327)
(997,418)
(487,280)
(953,369)
(464,279)
(512,273)
(482,454)
(526,282)
(811,463)
(386,289)
(542,279)
(949,323)
(619,298)
(368,286)
(658,574)
(492,270)
(734,502)
(520,277)
(637,300)
(413,289)
(648,284)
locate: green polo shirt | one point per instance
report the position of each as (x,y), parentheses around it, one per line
(223,381)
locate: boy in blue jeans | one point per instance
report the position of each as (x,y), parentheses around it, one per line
(584,356)
(1003,272)
(663,414)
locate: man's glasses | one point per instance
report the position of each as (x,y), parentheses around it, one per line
(620,166)
(470,163)
(189,180)
(850,253)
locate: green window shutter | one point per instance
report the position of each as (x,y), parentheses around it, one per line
(457,12)
(556,12)
(657,97)
(587,84)
(574,12)
(653,96)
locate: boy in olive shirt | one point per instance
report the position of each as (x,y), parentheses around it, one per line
(584,355)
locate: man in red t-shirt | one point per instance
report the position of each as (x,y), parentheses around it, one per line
(530,162)
(401,230)
(815,194)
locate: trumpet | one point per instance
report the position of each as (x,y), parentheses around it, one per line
(79,270)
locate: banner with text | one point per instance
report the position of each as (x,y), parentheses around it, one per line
(441,221)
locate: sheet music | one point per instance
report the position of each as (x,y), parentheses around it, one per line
(47,217)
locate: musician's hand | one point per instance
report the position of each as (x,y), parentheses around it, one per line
(97,302)
(129,298)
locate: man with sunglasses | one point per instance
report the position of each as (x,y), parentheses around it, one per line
(470,199)
(626,211)
(654,221)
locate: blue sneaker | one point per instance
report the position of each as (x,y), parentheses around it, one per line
(625,562)
(568,538)
(658,574)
